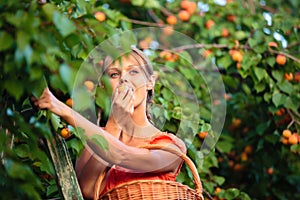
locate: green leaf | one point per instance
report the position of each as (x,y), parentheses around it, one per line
(278,99)
(64,25)
(278,75)
(259,73)
(231,193)
(55,121)
(271,61)
(219,179)
(14,87)
(22,39)
(67,75)
(244,196)
(292,103)
(6,41)
(100,141)
(18,170)
(225,61)
(259,87)
(286,87)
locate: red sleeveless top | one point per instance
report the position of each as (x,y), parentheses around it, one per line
(118,175)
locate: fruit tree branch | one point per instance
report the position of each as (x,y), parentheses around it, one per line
(222,46)
(199,46)
(285,54)
(134,21)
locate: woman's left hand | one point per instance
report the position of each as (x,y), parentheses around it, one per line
(48,101)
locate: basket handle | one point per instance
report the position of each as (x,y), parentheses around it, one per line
(187,160)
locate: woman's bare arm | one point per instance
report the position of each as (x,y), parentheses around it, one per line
(118,153)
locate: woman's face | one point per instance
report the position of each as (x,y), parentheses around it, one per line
(127,71)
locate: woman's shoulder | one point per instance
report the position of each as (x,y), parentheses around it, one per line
(165,137)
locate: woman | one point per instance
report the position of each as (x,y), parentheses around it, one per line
(127,128)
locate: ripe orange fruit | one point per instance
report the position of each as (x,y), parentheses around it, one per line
(209,23)
(172,20)
(238,167)
(280,59)
(192,8)
(293,139)
(272,44)
(69,102)
(206,53)
(100,16)
(237,56)
(184,15)
(284,140)
(145,43)
(231,18)
(65,133)
(203,134)
(168,30)
(185,4)
(288,76)
(236,122)
(248,149)
(280,112)
(244,156)
(225,32)
(89,85)
(270,170)
(189,6)
(217,190)
(286,133)
(297,77)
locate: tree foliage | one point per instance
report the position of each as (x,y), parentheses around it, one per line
(254,44)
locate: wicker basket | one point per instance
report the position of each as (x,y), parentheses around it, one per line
(158,189)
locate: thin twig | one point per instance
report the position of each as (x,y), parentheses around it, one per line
(155,17)
(292,45)
(290,124)
(199,46)
(165,11)
(285,54)
(222,46)
(269,9)
(134,21)
(252,7)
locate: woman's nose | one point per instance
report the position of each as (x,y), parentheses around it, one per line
(123,80)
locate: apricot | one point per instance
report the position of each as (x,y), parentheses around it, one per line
(225,32)
(65,133)
(280,59)
(272,44)
(184,15)
(293,139)
(168,30)
(69,102)
(172,20)
(288,76)
(89,85)
(209,23)
(203,134)
(237,56)
(286,133)
(100,16)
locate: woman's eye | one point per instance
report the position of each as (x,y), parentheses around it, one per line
(114,75)
(132,72)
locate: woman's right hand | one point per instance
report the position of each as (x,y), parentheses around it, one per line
(48,101)
(123,105)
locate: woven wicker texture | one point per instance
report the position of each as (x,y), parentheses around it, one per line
(158,189)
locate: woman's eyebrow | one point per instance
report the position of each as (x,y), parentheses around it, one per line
(113,68)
